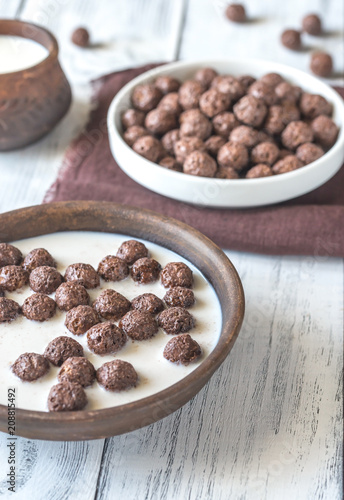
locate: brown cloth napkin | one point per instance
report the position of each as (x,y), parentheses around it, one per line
(312,224)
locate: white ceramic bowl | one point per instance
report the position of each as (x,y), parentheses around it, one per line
(224,192)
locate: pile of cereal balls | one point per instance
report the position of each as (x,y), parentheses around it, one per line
(228,127)
(107,323)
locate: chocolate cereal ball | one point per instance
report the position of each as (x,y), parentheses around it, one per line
(158,121)
(45,279)
(205,76)
(244,135)
(66,396)
(111,305)
(132,250)
(62,348)
(176,274)
(288,93)
(213,102)
(200,164)
(287,164)
(290,112)
(13,277)
(265,152)
(309,152)
(246,81)
(321,64)
(2,292)
(167,84)
(30,366)
(263,91)
(260,170)
(179,297)
(145,270)
(80,319)
(9,255)
(146,97)
(271,79)
(170,103)
(311,24)
(9,310)
(81,37)
(274,123)
(236,13)
(37,258)
(149,147)
(77,370)
(194,124)
(168,140)
(226,173)
(147,302)
(133,133)
(132,117)
(171,164)
(325,131)
(233,154)
(291,39)
(213,144)
(175,320)
(313,105)
(224,123)
(250,110)
(117,375)
(296,133)
(190,93)
(113,268)
(105,338)
(139,325)
(228,85)
(39,307)
(186,146)
(182,350)
(84,274)
(69,295)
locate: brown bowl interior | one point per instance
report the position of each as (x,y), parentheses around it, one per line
(167,232)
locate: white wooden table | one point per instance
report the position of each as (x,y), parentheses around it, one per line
(269,423)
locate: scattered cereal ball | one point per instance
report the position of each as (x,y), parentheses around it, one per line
(81,37)
(132,117)
(9,310)
(213,102)
(69,295)
(117,375)
(167,84)
(62,348)
(13,277)
(190,93)
(309,152)
(30,366)
(296,133)
(325,130)
(179,297)
(176,320)
(311,24)
(233,154)
(194,124)
(111,305)
(213,144)
(45,279)
(9,255)
(39,307)
(105,338)
(236,13)
(37,258)
(182,350)
(321,64)
(139,325)
(265,152)
(145,97)
(133,133)
(291,39)
(80,319)
(145,270)
(171,164)
(113,268)
(246,81)
(158,121)
(77,370)
(226,173)
(313,105)
(272,79)
(260,170)
(288,93)
(244,135)
(168,140)
(66,396)
(287,164)
(263,91)
(205,76)
(228,85)
(187,145)
(149,147)
(224,123)
(170,103)
(132,250)
(84,274)
(200,164)
(176,274)
(250,110)
(147,302)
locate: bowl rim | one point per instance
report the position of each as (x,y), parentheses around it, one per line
(337,102)
(88,215)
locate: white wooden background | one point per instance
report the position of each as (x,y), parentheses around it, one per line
(269,423)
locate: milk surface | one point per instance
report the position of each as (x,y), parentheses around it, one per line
(17,53)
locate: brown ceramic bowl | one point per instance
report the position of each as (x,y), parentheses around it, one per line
(33,100)
(169,233)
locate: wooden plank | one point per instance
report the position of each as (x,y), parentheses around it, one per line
(8,9)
